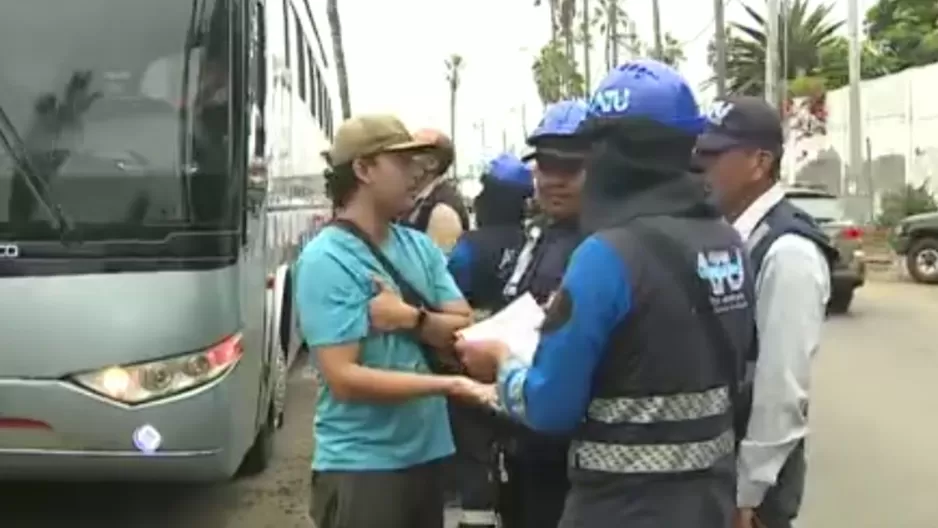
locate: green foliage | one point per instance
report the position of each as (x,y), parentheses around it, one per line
(807,86)
(672,51)
(905,30)
(555,74)
(909,200)
(835,67)
(810,31)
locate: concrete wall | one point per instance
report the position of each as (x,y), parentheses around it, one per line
(900,130)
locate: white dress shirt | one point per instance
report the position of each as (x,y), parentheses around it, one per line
(792,290)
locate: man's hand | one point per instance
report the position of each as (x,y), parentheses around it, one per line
(482,358)
(745,518)
(388,312)
(473,392)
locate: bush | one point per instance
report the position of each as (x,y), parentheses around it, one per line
(910,200)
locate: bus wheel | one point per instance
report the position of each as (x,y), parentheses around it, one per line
(261,452)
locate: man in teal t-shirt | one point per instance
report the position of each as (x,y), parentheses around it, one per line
(381,420)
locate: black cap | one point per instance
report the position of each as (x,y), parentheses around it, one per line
(560,147)
(742,122)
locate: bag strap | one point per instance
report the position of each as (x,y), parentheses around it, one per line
(671,257)
(409,293)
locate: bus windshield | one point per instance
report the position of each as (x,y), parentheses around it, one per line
(122,108)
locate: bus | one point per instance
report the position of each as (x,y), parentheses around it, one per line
(159,168)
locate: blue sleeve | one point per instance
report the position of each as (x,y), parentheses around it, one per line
(461,260)
(444,286)
(332,303)
(552,394)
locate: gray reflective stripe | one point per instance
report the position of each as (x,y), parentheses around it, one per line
(523,263)
(670,408)
(479,517)
(651,458)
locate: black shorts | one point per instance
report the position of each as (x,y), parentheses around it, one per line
(405,498)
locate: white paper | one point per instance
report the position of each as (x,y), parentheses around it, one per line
(517,325)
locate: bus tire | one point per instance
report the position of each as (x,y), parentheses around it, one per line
(258,457)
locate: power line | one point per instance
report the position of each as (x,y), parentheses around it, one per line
(706,29)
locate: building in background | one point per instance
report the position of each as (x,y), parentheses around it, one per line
(900,131)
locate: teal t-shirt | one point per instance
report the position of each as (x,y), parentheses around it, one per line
(334,284)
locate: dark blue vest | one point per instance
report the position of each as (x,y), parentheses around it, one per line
(785,218)
(494,253)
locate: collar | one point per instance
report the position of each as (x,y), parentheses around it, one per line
(747,222)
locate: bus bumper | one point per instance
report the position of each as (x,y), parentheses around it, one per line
(53,430)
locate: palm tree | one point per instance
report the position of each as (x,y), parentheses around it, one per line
(809,32)
(338,52)
(618,31)
(566,22)
(454,65)
(587,45)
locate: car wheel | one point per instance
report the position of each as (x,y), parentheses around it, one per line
(922,261)
(840,301)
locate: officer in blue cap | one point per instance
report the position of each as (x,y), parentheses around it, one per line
(642,350)
(500,208)
(531,260)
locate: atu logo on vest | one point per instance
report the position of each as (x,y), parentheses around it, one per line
(725,272)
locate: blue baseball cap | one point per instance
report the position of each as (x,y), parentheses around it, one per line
(559,128)
(508,169)
(648,89)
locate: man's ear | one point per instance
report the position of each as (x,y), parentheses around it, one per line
(360,166)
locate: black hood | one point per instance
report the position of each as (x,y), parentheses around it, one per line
(639,168)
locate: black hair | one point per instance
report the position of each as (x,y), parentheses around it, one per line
(630,154)
(775,173)
(341,184)
(500,203)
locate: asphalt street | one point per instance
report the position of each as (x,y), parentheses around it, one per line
(873,454)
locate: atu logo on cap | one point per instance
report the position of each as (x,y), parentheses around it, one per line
(610,101)
(718,112)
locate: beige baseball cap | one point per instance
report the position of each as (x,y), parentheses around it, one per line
(368,135)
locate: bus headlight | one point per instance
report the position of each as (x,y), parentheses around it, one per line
(143,382)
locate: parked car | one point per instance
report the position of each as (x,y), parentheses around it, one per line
(916,239)
(849,273)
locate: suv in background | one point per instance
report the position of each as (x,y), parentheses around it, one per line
(849,273)
(916,239)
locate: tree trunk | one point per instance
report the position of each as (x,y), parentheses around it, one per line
(587,42)
(553,19)
(338,53)
(453,88)
(613,33)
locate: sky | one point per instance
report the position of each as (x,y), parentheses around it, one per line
(396,50)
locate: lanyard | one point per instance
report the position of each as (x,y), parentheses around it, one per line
(525,258)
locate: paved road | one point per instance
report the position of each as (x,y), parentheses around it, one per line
(873,465)
(874,453)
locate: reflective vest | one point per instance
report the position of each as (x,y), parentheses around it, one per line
(657,446)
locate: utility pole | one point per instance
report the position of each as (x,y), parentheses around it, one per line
(854,118)
(656,23)
(772,54)
(524,120)
(719,41)
(587,44)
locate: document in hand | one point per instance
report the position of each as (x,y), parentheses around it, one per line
(517,325)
